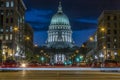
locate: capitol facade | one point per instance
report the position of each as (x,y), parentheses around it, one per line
(59,35)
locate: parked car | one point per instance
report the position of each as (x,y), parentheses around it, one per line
(110,63)
(10,64)
(33,64)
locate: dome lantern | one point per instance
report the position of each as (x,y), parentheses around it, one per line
(60,8)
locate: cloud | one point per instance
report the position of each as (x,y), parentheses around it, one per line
(39,19)
(83,24)
(87,21)
(35,15)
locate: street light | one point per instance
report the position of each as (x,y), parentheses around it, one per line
(104,47)
(91,39)
(77,51)
(27,38)
(102,29)
(15,29)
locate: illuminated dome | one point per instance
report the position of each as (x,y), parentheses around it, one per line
(60,18)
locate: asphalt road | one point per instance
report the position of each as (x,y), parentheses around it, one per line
(59,75)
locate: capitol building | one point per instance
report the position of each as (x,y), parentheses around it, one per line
(59,36)
(60,33)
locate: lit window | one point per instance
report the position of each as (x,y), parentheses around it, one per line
(1,30)
(10,36)
(6,37)
(1,37)
(12,3)
(11,29)
(115,40)
(7,4)
(7,28)
(115,45)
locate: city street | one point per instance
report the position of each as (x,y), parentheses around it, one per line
(59,75)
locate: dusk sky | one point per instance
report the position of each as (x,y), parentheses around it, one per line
(83,15)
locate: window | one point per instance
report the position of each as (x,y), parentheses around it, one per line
(108,31)
(1,20)
(12,4)
(6,37)
(11,12)
(108,17)
(1,4)
(115,17)
(108,45)
(1,12)
(115,45)
(115,31)
(1,37)
(7,28)
(1,30)
(11,29)
(108,39)
(7,13)
(10,36)
(7,4)
(115,25)
(108,25)
(115,40)
(11,20)
(7,20)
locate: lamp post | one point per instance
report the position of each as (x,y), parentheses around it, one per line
(91,39)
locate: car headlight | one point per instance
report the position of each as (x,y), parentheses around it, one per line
(23,65)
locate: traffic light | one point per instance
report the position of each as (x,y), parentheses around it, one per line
(42,58)
(77,60)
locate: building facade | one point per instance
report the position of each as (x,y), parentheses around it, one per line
(59,35)
(12,28)
(108,34)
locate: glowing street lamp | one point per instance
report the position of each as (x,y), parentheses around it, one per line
(77,51)
(115,53)
(15,29)
(104,47)
(102,29)
(27,38)
(91,39)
